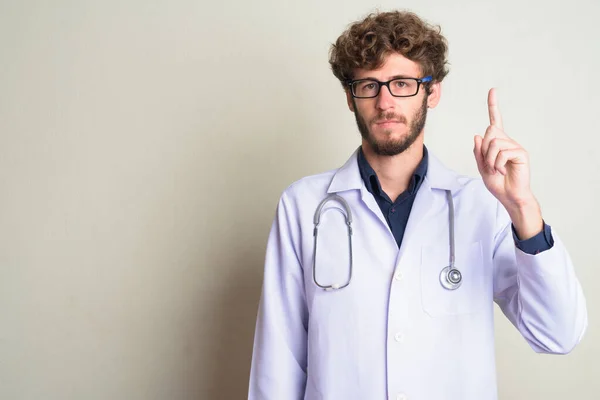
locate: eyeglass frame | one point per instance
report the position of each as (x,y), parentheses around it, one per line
(420,81)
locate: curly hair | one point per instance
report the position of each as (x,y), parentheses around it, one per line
(365,44)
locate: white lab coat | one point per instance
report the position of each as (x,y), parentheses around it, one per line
(395,332)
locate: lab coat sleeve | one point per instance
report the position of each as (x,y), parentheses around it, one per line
(279,359)
(539,294)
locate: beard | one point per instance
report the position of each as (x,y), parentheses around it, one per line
(390,147)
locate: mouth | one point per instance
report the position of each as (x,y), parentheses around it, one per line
(387,123)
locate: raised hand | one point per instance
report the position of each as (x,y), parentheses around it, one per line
(504,167)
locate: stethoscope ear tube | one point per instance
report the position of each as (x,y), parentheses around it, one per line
(339,199)
(317,220)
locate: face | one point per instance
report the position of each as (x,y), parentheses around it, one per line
(389,125)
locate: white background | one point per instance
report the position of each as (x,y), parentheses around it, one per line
(144,146)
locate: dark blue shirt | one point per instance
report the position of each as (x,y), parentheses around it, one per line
(397,212)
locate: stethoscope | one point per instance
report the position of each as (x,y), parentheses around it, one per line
(450,276)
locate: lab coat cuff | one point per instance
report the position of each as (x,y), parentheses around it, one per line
(550,262)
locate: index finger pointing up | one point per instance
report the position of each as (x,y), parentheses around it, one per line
(495,117)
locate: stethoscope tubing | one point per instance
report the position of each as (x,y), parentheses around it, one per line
(450,276)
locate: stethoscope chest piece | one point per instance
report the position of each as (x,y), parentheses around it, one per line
(451,278)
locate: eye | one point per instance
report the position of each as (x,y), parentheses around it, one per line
(368,86)
(400,84)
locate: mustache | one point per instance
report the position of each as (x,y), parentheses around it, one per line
(389,116)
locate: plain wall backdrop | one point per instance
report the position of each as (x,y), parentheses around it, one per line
(144,146)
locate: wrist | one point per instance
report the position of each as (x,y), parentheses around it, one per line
(527,219)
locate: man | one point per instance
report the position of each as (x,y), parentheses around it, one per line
(386,290)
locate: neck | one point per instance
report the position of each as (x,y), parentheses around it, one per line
(395,172)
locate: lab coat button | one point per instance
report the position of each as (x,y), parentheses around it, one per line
(398,276)
(401,396)
(399,337)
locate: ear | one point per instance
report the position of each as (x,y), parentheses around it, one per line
(434,96)
(349,100)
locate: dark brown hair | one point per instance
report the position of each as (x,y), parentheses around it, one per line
(366,43)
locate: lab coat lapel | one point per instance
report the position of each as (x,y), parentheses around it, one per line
(348,178)
(422,207)
(437,180)
(369,200)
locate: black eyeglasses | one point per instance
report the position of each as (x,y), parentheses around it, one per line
(399,87)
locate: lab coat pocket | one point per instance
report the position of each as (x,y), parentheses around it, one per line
(469,297)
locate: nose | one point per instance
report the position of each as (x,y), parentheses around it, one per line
(385,100)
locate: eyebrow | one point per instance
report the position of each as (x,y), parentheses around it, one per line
(391,78)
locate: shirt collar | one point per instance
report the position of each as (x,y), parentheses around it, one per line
(438,176)
(371,181)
